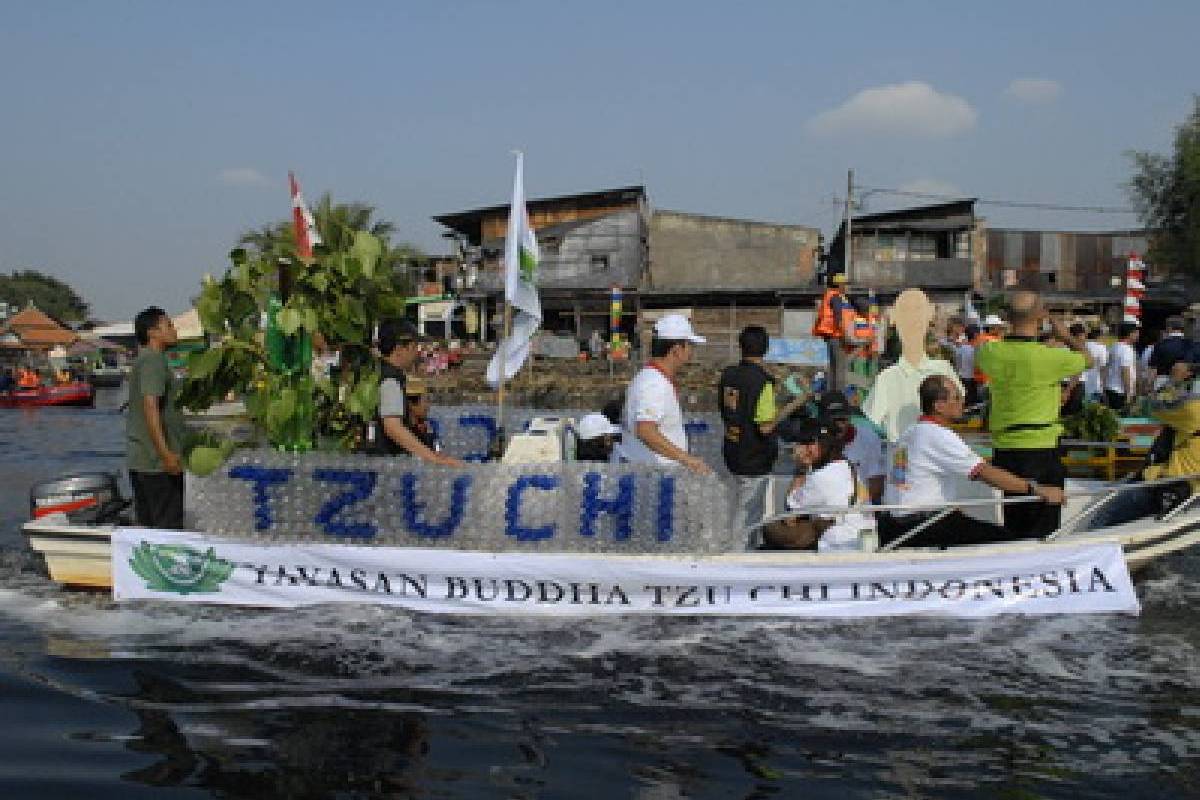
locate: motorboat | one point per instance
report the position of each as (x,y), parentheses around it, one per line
(75,393)
(105,376)
(535,503)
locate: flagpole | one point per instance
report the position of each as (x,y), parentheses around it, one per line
(522,309)
(496,447)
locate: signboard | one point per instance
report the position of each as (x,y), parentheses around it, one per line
(807,351)
(193,567)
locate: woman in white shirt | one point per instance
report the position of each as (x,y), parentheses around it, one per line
(827,479)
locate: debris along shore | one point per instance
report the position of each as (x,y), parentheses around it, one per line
(563,383)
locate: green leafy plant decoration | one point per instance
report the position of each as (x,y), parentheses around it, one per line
(331,303)
(1096,422)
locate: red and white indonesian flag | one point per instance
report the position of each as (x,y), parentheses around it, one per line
(520,285)
(302,221)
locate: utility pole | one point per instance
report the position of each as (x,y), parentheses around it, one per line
(848,250)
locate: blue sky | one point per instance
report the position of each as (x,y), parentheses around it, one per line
(141,138)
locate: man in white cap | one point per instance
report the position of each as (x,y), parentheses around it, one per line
(653,419)
(596,438)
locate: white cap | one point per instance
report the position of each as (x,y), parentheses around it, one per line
(992,320)
(676,326)
(594,425)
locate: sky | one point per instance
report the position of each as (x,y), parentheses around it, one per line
(139,139)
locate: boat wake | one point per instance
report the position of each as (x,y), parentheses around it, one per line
(1069,695)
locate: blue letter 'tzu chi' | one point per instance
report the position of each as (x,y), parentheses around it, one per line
(620,507)
(512,508)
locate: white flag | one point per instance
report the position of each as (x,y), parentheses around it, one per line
(520,285)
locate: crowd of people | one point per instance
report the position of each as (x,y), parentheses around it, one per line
(900,450)
(1022,374)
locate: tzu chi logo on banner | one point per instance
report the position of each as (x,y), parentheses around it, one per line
(179,569)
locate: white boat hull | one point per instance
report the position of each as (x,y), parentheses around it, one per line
(80,555)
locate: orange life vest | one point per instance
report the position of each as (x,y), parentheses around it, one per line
(827,325)
(28,379)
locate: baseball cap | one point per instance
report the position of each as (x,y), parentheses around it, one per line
(993,320)
(834,404)
(676,326)
(395,331)
(593,425)
(803,430)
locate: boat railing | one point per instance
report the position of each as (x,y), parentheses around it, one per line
(1104,494)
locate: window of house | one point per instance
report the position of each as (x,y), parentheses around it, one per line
(885,247)
(922,247)
(962,244)
(599,264)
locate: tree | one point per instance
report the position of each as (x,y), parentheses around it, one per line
(1166,192)
(337,223)
(46,292)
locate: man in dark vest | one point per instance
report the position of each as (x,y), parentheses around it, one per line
(387,434)
(746,394)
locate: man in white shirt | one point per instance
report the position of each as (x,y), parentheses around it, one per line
(1093,376)
(1120,382)
(653,418)
(964,364)
(926,464)
(861,446)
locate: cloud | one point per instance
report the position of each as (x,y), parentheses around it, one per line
(1034,90)
(906,109)
(931,186)
(242,176)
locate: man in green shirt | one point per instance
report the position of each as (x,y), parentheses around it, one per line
(1025,378)
(154,425)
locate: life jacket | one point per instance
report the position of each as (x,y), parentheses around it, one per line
(861,334)
(376,442)
(28,379)
(827,325)
(980,340)
(746,449)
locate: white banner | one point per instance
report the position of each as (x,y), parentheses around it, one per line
(193,567)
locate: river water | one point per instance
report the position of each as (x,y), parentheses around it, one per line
(150,700)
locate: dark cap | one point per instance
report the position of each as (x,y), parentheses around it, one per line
(394,332)
(834,404)
(803,430)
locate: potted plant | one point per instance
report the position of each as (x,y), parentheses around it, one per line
(1096,422)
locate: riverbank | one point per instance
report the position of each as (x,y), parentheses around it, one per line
(565,383)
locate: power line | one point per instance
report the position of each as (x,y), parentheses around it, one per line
(1002,203)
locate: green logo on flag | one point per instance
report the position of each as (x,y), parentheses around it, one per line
(179,569)
(528,265)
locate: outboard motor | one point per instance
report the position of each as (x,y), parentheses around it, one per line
(87,498)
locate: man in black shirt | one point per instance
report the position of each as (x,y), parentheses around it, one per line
(1172,348)
(746,396)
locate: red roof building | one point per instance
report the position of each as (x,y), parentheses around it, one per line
(35,330)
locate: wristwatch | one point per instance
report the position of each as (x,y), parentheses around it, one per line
(1032,487)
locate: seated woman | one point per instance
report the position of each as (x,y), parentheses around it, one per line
(596,438)
(824,478)
(1176,452)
